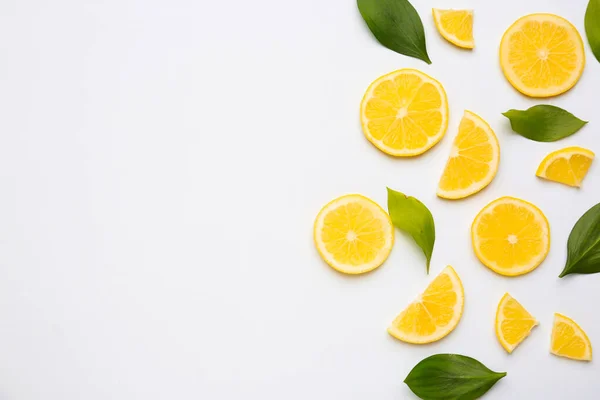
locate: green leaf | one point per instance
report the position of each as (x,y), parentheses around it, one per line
(583,247)
(544,123)
(592,26)
(451,377)
(396,25)
(411,216)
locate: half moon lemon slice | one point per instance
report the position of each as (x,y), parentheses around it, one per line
(434,314)
(473,160)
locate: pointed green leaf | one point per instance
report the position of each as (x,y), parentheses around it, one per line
(451,377)
(583,247)
(411,216)
(396,25)
(544,123)
(592,26)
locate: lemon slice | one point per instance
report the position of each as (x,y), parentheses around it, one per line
(569,340)
(473,161)
(568,165)
(456,26)
(542,55)
(513,323)
(353,234)
(404,113)
(434,314)
(511,236)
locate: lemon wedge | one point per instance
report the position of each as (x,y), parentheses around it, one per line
(569,340)
(513,323)
(569,165)
(456,26)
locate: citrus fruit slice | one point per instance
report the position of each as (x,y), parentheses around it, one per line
(569,340)
(353,234)
(404,113)
(511,236)
(473,161)
(513,323)
(456,26)
(568,165)
(434,314)
(542,55)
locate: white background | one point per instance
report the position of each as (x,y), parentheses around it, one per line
(161,165)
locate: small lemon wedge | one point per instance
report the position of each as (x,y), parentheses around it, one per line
(569,340)
(568,165)
(513,323)
(456,26)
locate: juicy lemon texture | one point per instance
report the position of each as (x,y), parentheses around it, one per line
(456,26)
(404,113)
(353,234)
(542,55)
(434,314)
(569,165)
(569,340)
(473,161)
(511,236)
(513,323)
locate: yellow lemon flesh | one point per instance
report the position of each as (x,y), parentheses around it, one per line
(568,165)
(513,323)
(434,314)
(456,26)
(473,161)
(353,234)
(542,55)
(511,236)
(404,113)
(569,340)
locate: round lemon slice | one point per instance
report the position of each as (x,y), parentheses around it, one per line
(353,234)
(404,113)
(542,55)
(511,236)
